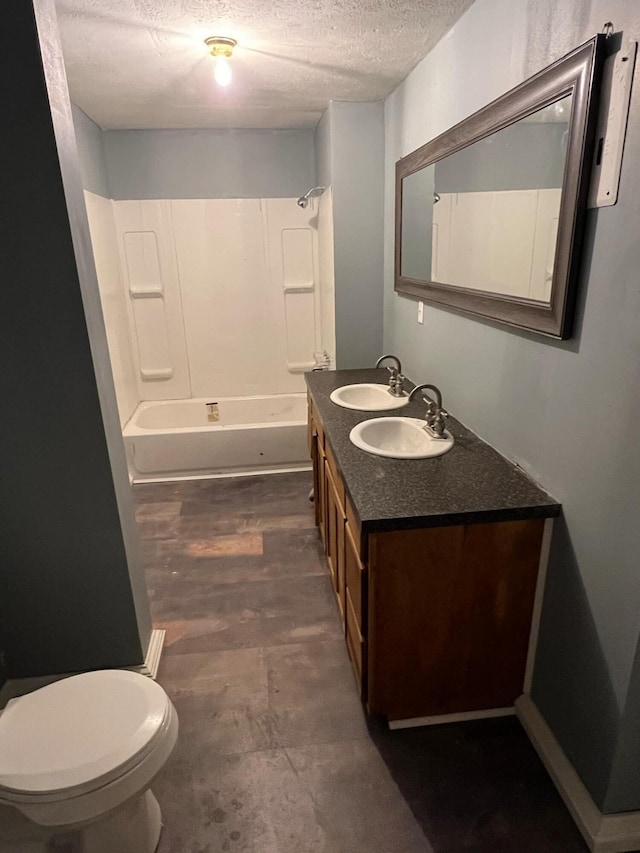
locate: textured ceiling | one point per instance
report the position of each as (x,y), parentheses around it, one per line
(143,63)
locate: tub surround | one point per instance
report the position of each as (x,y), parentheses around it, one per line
(471,483)
(437,566)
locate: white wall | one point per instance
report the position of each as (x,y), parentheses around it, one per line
(112,297)
(568,412)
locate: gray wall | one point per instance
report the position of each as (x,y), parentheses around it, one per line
(498,162)
(72,591)
(209,163)
(350,157)
(567,412)
(89,139)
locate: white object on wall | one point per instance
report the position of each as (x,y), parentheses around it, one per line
(151,280)
(113,299)
(617,79)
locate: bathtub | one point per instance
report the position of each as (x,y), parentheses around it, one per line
(208,437)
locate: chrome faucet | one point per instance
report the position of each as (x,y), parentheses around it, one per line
(436,416)
(397,379)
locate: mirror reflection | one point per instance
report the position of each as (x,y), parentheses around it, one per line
(486,217)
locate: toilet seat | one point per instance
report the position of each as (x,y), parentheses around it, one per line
(83,733)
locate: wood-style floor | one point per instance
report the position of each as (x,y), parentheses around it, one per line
(275,754)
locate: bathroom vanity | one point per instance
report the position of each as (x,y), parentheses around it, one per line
(437,564)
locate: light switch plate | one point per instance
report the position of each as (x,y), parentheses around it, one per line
(617,79)
(421,313)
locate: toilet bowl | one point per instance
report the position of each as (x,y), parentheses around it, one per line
(76,761)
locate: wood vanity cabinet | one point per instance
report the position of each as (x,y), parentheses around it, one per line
(437,620)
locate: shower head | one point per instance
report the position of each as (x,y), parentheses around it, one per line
(303,201)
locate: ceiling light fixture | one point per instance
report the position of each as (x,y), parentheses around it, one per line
(221,49)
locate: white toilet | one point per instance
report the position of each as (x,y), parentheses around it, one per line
(76,761)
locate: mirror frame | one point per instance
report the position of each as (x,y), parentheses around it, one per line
(576,74)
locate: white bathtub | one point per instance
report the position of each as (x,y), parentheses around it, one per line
(176,439)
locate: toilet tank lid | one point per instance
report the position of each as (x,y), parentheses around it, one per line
(78,730)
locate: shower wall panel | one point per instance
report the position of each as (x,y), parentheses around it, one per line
(248,274)
(223,297)
(292,258)
(114,303)
(150,275)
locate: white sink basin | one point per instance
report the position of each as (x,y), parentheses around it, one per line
(399,438)
(367,397)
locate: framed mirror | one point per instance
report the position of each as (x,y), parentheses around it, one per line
(489,214)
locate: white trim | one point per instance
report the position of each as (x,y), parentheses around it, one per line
(545,547)
(604,833)
(141,479)
(152,658)
(462,717)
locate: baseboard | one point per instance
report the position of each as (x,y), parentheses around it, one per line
(440,719)
(152,658)
(604,833)
(20,686)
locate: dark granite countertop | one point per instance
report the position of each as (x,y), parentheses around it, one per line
(472,483)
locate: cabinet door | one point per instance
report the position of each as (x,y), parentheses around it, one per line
(335,538)
(449,617)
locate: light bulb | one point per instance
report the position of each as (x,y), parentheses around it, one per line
(222,71)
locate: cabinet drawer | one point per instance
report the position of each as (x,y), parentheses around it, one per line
(337,479)
(356,580)
(355,644)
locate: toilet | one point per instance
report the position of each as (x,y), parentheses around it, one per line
(77,758)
